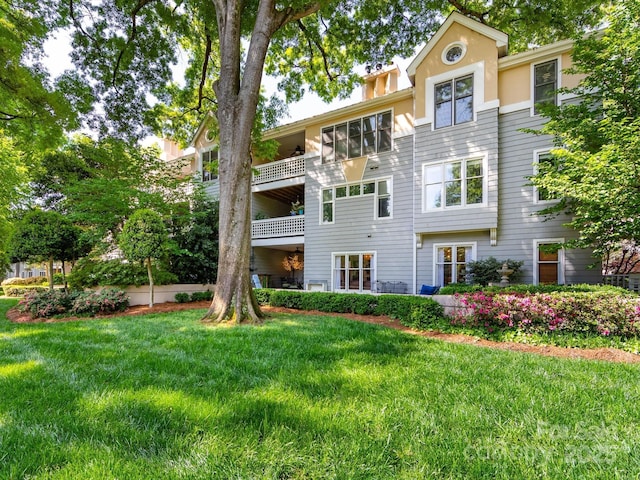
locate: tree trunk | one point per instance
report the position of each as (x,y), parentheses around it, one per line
(150,274)
(50,273)
(237,94)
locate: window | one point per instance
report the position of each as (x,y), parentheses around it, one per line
(209,165)
(451,263)
(542,194)
(353,271)
(362,136)
(453,53)
(380,188)
(549,261)
(327,205)
(383,199)
(454,184)
(545,84)
(454,102)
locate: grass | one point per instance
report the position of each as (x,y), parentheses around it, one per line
(165,397)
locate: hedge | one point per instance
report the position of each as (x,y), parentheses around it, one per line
(416,312)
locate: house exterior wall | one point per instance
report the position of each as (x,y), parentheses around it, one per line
(405,245)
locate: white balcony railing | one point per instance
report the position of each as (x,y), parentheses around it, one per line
(278,227)
(280,170)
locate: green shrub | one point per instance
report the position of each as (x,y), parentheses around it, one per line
(454,288)
(107,300)
(58,279)
(47,303)
(485,271)
(263,295)
(91,273)
(20,291)
(416,312)
(201,296)
(25,281)
(182,297)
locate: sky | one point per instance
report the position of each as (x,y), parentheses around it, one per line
(58,51)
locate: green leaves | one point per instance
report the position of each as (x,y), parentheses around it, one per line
(597,167)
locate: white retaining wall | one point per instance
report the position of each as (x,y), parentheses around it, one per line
(163,293)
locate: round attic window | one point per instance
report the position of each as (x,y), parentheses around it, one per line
(210,135)
(453,53)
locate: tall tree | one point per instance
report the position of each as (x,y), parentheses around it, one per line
(596,167)
(42,236)
(126,47)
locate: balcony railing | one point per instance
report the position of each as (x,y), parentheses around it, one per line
(278,227)
(280,170)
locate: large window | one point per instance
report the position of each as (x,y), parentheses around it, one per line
(451,263)
(378,189)
(353,271)
(543,194)
(459,183)
(549,269)
(454,102)
(209,165)
(545,84)
(362,136)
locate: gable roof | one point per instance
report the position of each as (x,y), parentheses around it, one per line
(501,39)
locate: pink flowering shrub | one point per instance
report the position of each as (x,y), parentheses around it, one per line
(58,302)
(588,313)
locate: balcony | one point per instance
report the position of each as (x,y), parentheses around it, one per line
(280,170)
(292,226)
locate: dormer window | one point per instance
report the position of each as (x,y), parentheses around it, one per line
(454,102)
(453,53)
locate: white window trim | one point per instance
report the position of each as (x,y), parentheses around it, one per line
(376,213)
(474,255)
(561,258)
(360,117)
(475,69)
(536,162)
(446,49)
(201,163)
(374,268)
(322,202)
(485,183)
(532,85)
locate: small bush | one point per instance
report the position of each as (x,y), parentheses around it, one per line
(47,303)
(58,279)
(182,297)
(263,295)
(107,300)
(454,288)
(201,296)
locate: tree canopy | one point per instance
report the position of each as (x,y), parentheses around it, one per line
(596,167)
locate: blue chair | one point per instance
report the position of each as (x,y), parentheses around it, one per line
(429,290)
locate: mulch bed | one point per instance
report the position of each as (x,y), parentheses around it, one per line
(605,354)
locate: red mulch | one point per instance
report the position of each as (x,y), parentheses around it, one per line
(606,354)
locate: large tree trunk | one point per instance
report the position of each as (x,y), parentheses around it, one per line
(237,105)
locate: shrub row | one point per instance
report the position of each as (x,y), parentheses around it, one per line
(184,297)
(416,312)
(57,302)
(25,281)
(454,288)
(20,291)
(593,313)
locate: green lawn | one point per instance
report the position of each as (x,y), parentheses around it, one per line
(165,397)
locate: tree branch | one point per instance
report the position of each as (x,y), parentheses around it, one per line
(480,16)
(319,46)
